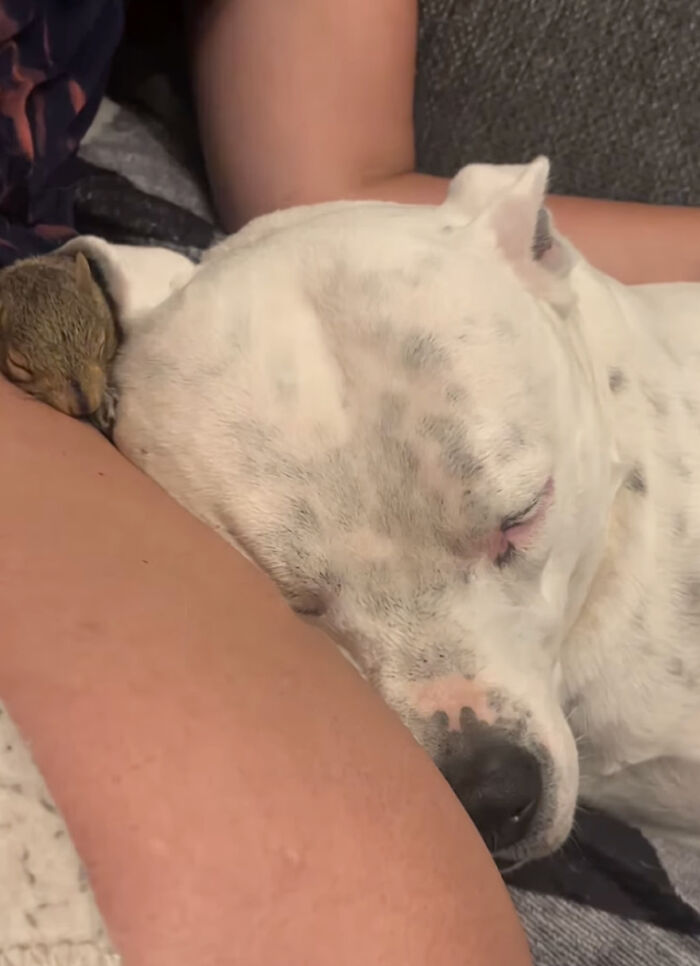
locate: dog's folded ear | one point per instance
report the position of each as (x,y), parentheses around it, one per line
(508,201)
(136,277)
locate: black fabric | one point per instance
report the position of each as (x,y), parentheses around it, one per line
(108,205)
(612,867)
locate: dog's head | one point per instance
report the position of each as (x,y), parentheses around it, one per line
(407,438)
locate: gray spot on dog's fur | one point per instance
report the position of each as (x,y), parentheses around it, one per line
(680,526)
(287,390)
(460,462)
(639,618)
(469,326)
(421,350)
(505,328)
(392,502)
(297,571)
(636,481)
(449,433)
(14,787)
(404,458)
(392,409)
(439,427)
(516,437)
(454,393)
(304,516)
(617,380)
(680,468)
(679,669)
(381,603)
(262,456)
(690,595)
(417,606)
(513,443)
(657,401)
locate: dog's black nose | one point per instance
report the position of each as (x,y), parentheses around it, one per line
(500,785)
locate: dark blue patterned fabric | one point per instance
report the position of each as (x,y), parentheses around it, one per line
(54,63)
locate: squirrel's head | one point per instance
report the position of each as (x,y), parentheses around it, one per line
(57,331)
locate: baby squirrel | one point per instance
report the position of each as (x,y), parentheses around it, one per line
(58,332)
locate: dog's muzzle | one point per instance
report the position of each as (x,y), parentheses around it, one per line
(498,781)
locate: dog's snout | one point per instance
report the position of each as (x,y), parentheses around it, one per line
(500,785)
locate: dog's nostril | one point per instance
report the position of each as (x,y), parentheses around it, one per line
(500,785)
(525,813)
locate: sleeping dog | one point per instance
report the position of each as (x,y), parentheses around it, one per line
(471,458)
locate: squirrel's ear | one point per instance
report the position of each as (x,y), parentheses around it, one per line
(83,275)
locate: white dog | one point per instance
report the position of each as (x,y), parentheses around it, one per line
(470,457)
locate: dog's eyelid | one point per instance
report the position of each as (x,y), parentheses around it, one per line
(523,516)
(310,605)
(310,610)
(515,519)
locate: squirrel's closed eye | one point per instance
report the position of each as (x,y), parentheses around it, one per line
(18,367)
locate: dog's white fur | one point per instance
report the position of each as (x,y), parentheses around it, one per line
(357,394)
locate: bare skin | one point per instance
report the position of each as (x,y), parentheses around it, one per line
(308,101)
(238,794)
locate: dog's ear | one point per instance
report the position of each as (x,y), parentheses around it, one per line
(508,201)
(477,186)
(137,277)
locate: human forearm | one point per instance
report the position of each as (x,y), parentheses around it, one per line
(236,792)
(319,107)
(633,242)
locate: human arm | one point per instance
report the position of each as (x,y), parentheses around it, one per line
(238,795)
(308,101)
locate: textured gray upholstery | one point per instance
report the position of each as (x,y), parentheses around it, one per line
(609,89)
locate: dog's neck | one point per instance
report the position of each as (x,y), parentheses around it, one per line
(642,352)
(642,347)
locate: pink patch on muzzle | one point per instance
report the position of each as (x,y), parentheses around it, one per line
(450,694)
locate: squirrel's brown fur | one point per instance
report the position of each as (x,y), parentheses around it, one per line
(57,331)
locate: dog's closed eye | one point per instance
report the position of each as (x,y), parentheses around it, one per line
(309,605)
(518,529)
